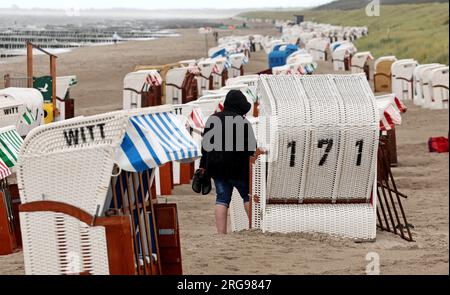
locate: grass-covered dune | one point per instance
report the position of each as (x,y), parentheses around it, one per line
(417,31)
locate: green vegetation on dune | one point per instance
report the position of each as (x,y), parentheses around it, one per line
(417,31)
(356,4)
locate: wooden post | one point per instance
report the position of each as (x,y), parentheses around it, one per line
(53,74)
(29,65)
(7,80)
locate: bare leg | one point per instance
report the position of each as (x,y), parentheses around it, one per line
(221,219)
(247,208)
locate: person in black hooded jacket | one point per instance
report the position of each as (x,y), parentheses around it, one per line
(228,143)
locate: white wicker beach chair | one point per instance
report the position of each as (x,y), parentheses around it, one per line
(237,62)
(417,83)
(322,177)
(339,55)
(206,69)
(72,163)
(66,162)
(87,144)
(439,88)
(174,83)
(219,70)
(402,78)
(359,61)
(135,83)
(318,48)
(22,107)
(426,84)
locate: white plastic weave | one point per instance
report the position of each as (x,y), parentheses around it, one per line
(70,160)
(346,220)
(324,150)
(58,244)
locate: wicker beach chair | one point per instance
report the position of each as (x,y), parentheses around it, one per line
(439,88)
(402,78)
(73,174)
(220,72)
(238,60)
(10,112)
(22,107)
(66,162)
(318,47)
(321,168)
(174,82)
(382,73)
(205,79)
(361,63)
(418,87)
(138,86)
(427,90)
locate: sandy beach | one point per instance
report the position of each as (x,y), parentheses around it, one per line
(421,175)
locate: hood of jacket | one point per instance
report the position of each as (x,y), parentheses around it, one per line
(236,102)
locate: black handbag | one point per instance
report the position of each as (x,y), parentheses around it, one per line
(201,182)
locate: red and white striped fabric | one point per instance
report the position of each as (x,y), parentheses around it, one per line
(399,105)
(390,118)
(196,119)
(194,70)
(390,108)
(215,70)
(219,107)
(153,80)
(4,170)
(301,70)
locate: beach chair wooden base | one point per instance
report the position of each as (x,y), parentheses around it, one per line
(117,230)
(189,88)
(366,70)
(15,200)
(69,108)
(152,268)
(391,147)
(166,180)
(224,77)
(8,244)
(186,173)
(347,63)
(153,97)
(169,239)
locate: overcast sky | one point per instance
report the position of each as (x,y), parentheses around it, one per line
(160,4)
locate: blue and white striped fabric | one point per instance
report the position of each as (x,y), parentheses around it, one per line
(152,140)
(227,64)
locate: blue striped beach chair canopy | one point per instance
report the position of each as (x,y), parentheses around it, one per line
(155,136)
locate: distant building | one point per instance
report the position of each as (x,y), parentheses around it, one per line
(299,18)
